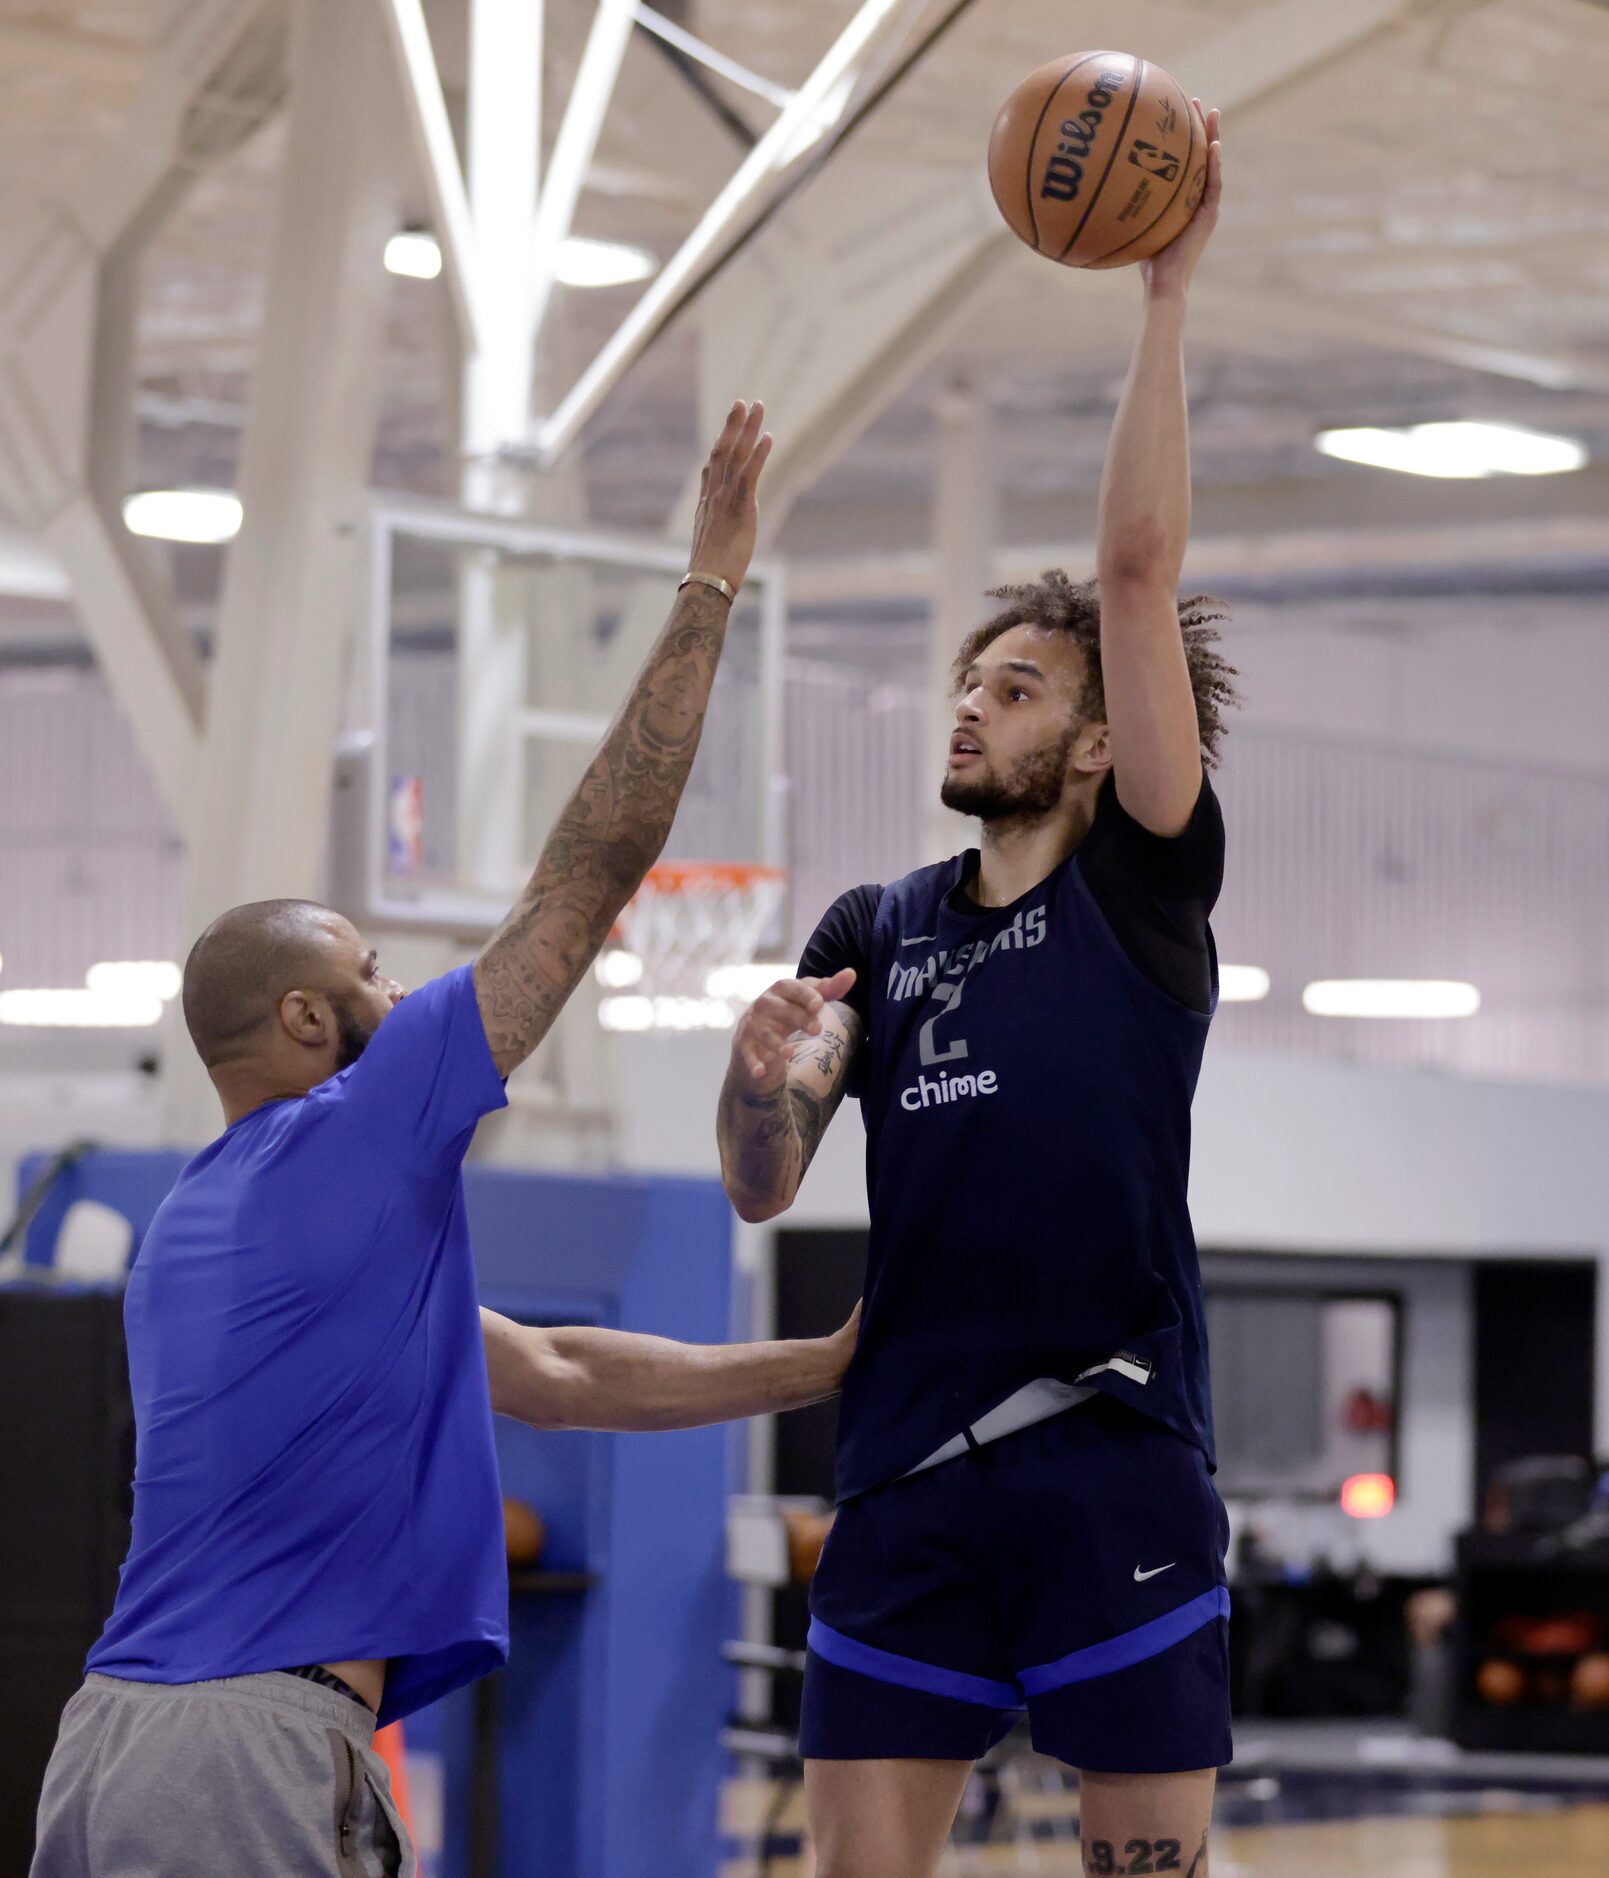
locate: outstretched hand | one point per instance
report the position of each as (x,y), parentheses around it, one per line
(728,516)
(1170,270)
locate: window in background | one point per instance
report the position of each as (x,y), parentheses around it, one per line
(1305,1390)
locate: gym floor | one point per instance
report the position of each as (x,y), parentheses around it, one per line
(1324,1800)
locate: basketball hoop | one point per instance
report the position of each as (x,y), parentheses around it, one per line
(687,921)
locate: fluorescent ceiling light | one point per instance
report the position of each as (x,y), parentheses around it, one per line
(136,978)
(79,1009)
(1461,450)
(665,1014)
(1391,997)
(413,253)
(742,984)
(204,515)
(617,969)
(1242,984)
(583,263)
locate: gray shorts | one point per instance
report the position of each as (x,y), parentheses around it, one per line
(250,1774)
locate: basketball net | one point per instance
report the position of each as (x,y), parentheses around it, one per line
(688,921)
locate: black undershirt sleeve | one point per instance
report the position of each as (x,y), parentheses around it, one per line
(844,937)
(1157,891)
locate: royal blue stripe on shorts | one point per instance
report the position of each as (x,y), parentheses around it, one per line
(1089,1547)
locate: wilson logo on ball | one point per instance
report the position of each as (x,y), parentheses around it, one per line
(1064,174)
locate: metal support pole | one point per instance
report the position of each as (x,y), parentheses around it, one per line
(284,615)
(573,150)
(505,131)
(965,524)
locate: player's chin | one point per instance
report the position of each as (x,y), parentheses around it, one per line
(965,791)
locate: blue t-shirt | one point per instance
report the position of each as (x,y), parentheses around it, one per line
(1025,1079)
(315,1478)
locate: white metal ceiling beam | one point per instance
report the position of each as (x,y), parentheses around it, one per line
(62,49)
(865,350)
(709,58)
(574,147)
(432,136)
(830,318)
(872,25)
(503,144)
(66,363)
(884,578)
(1355,322)
(284,614)
(1277,42)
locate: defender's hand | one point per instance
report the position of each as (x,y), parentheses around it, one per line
(1170,271)
(728,516)
(760,1050)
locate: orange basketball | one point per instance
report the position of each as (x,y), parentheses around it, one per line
(807,1534)
(1499,1682)
(1589,1685)
(1098,159)
(524,1532)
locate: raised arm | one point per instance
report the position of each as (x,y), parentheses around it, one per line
(614,826)
(789,1070)
(1141,535)
(581,1377)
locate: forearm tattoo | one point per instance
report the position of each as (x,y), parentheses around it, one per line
(810,1117)
(768,1141)
(608,835)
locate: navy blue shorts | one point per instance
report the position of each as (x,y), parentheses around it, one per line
(1075,1569)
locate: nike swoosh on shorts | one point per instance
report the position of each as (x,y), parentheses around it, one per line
(1140,1577)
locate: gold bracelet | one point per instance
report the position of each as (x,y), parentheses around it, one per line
(710,580)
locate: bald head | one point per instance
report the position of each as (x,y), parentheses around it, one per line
(247,960)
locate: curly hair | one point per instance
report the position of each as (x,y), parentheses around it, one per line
(1062,605)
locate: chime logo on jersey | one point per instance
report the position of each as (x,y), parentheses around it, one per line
(928,1092)
(1025,932)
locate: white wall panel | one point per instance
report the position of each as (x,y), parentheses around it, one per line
(1346,859)
(90,867)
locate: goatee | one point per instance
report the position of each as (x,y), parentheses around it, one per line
(352,1036)
(1032,789)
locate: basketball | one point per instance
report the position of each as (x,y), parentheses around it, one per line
(1499,1682)
(524,1532)
(1589,1685)
(1098,159)
(807,1534)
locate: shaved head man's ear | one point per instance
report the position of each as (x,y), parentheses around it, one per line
(243,964)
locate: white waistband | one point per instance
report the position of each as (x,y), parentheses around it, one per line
(1036,1401)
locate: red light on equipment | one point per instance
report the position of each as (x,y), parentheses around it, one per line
(1368,1496)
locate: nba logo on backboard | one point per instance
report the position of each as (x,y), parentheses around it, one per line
(407,824)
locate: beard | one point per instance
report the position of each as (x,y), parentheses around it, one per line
(353,1032)
(1031,789)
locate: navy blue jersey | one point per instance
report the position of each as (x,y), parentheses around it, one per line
(1026,1079)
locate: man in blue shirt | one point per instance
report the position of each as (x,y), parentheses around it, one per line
(1026,1517)
(318,1536)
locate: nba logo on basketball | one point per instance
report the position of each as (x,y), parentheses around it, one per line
(407,825)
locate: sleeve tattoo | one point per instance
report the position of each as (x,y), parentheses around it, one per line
(608,835)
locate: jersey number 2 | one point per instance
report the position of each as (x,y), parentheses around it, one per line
(948,997)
